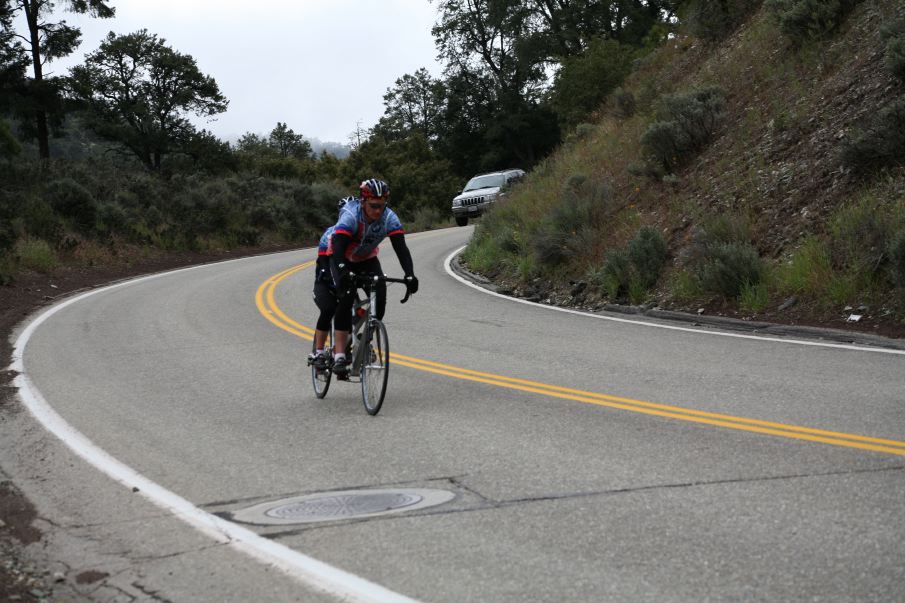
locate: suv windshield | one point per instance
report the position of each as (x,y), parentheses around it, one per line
(485,182)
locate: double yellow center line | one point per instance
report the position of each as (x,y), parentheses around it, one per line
(266,303)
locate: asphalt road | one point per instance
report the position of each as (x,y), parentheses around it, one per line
(589,459)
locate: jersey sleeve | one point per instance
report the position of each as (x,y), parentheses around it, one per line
(347,223)
(394,225)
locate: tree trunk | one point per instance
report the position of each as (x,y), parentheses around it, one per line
(31,15)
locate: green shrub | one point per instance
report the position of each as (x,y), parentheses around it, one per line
(8,212)
(633,270)
(712,232)
(647,253)
(583,201)
(859,236)
(9,146)
(74,202)
(897,257)
(684,286)
(582,131)
(551,245)
(36,254)
(725,228)
(729,267)
(714,20)
(895,48)
(624,101)
(664,144)
(753,298)
(111,220)
(616,273)
(880,143)
(808,270)
(686,123)
(584,81)
(424,218)
(40,221)
(7,268)
(805,20)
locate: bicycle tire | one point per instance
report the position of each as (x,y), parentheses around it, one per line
(320,379)
(375,366)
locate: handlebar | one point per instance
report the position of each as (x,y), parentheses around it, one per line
(366,280)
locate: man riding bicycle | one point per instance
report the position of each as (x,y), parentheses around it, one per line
(351,245)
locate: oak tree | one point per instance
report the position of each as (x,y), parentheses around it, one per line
(140,92)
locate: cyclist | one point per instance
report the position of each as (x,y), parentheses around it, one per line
(351,245)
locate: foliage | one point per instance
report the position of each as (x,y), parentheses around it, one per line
(859,237)
(572,222)
(722,258)
(499,54)
(282,154)
(624,102)
(9,146)
(585,80)
(415,104)
(804,20)
(139,91)
(418,176)
(753,297)
(38,103)
(633,270)
(896,253)
(729,267)
(13,61)
(37,255)
(73,202)
(714,20)
(879,143)
(808,270)
(616,274)
(496,240)
(686,123)
(647,252)
(894,34)
(289,144)
(103,202)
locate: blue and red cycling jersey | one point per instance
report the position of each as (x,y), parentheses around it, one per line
(366,238)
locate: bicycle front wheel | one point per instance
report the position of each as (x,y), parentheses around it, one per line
(375,366)
(320,378)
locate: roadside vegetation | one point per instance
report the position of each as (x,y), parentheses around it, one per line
(103,162)
(752,165)
(734,156)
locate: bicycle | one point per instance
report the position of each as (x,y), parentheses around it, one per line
(368,347)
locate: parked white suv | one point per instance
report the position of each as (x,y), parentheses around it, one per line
(480,192)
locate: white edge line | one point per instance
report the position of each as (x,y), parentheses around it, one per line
(841,346)
(313,573)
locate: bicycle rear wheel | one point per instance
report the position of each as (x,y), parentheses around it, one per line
(320,377)
(375,367)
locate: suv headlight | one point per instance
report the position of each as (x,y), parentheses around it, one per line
(457,203)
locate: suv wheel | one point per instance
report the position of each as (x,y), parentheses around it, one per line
(462,220)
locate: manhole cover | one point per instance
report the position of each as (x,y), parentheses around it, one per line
(332,506)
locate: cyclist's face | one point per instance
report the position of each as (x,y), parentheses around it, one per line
(374,208)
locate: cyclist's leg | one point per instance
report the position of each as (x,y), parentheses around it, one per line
(342,321)
(326,302)
(372,266)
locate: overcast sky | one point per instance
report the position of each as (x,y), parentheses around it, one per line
(321,66)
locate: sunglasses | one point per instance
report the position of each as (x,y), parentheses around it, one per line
(377,205)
